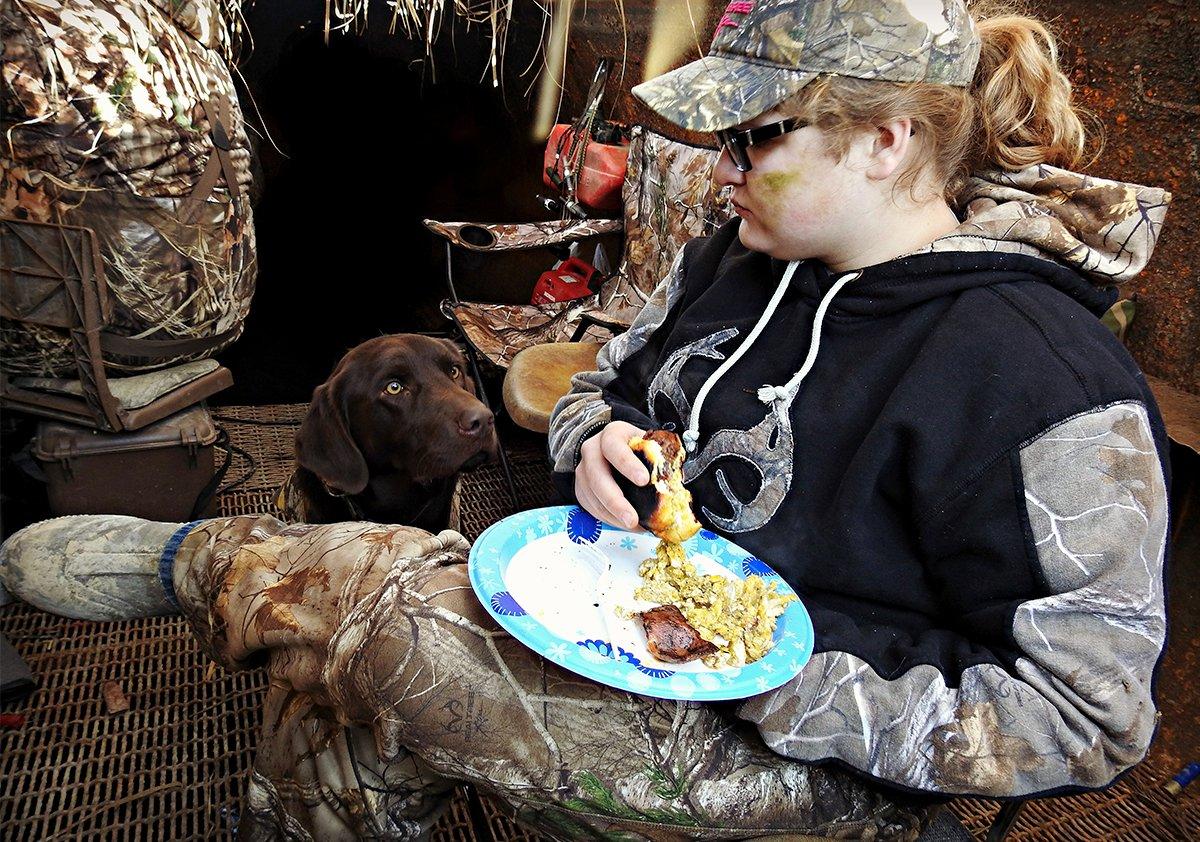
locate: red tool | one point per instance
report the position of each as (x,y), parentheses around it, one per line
(596,172)
(569,279)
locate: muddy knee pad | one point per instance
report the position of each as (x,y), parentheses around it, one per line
(91,567)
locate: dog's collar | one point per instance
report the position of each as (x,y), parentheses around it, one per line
(356,512)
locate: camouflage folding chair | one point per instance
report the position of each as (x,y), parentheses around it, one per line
(669,198)
(127,252)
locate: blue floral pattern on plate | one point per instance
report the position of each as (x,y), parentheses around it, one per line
(751,566)
(599,659)
(582,527)
(603,647)
(502,603)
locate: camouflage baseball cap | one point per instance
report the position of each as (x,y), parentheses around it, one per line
(766,50)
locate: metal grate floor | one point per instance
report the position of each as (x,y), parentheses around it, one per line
(174,765)
(171,767)
(1136,809)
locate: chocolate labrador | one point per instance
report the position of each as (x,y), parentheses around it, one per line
(387,435)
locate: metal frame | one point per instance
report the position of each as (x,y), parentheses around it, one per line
(476,374)
(53,276)
(73,296)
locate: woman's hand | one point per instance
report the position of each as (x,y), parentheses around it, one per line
(595,488)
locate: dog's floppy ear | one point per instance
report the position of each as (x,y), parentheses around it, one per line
(325,447)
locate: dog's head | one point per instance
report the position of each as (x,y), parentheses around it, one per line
(403,402)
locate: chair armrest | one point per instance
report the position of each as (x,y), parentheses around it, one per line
(488,237)
(589,319)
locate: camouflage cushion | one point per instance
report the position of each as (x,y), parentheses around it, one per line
(106,109)
(131,392)
(669,198)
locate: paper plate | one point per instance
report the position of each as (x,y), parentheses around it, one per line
(544,575)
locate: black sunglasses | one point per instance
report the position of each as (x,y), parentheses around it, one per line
(737,141)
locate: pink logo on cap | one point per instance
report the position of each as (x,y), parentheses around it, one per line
(737,7)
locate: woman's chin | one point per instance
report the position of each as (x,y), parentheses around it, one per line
(752,236)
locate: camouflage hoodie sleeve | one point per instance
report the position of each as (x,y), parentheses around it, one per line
(615,391)
(1043,680)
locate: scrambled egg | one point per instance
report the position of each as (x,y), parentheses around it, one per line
(736,616)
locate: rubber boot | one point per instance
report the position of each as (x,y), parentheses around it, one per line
(92,567)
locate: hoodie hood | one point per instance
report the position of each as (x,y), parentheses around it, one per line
(1104,230)
(1079,234)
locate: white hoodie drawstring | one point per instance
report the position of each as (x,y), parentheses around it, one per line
(767,394)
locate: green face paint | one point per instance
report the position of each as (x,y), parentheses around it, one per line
(773,186)
(777,182)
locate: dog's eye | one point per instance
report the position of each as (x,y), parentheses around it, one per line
(455,372)
(394,387)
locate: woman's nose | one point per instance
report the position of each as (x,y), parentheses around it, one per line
(725,173)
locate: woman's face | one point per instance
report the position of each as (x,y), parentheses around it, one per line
(798,201)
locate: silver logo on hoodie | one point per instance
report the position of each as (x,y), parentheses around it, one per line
(768,446)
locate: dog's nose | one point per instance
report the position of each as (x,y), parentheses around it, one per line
(474,421)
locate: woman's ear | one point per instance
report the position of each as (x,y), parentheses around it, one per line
(325,447)
(891,146)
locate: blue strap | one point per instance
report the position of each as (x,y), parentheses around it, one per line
(166,562)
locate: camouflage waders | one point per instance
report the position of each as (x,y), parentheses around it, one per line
(390,682)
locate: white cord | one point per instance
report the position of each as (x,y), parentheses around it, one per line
(692,434)
(768,394)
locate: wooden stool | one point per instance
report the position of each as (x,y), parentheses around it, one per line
(540,375)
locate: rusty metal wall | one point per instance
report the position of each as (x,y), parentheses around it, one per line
(1136,65)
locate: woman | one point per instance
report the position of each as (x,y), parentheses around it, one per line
(920,422)
(943,451)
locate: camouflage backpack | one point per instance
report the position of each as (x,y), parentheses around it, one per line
(121,116)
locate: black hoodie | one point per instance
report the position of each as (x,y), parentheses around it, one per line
(967,489)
